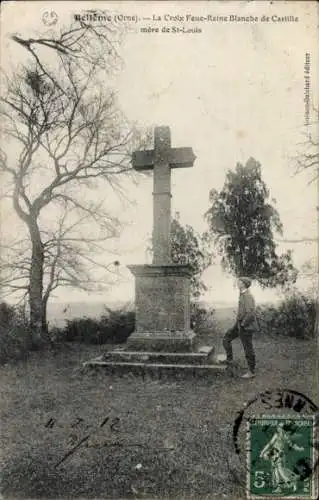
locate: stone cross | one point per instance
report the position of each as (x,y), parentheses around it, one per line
(162,159)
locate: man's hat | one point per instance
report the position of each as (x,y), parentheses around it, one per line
(246,281)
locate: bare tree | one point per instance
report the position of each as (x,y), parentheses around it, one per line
(308,158)
(63,136)
(84,42)
(70,257)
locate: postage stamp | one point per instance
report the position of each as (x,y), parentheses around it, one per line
(282,457)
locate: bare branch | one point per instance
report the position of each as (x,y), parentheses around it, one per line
(308,157)
(66,142)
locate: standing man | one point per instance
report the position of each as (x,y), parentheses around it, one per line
(244,327)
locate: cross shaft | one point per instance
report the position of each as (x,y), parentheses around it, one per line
(162,159)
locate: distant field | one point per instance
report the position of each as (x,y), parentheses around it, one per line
(59,312)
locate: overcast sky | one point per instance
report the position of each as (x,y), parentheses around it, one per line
(231,92)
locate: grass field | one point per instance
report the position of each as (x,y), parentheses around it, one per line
(161,439)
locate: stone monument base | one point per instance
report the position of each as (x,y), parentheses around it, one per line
(162,341)
(163,344)
(162,305)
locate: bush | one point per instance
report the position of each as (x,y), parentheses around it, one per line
(120,325)
(295,316)
(81,330)
(16,338)
(114,326)
(201,318)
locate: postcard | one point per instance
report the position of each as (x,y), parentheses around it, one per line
(159,249)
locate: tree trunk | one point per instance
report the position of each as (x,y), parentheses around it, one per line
(45,326)
(317,323)
(36,280)
(44,317)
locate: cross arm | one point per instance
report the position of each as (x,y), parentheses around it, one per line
(181,157)
(176,157)
(143,160)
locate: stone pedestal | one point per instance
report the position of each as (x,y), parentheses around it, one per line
(162,305)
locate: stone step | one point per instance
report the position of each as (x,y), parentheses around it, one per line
(202,356)
(155,370)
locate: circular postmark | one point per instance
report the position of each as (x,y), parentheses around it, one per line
(275,445)
(49,17)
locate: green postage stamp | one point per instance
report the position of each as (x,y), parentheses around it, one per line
(282,457)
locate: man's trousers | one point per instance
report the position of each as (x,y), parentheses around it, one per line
(246,337)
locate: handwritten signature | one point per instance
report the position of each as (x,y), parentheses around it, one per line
(87,440)
(93,439)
